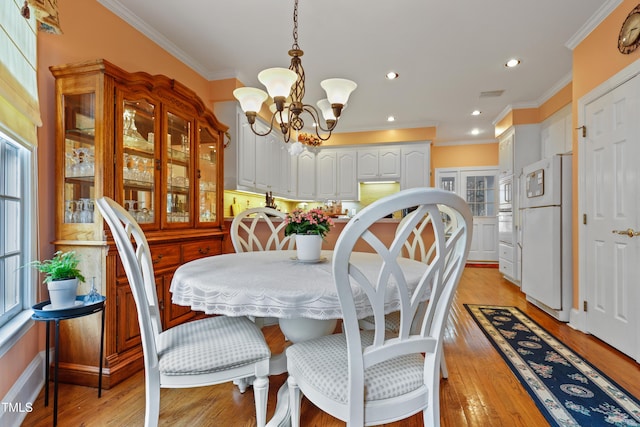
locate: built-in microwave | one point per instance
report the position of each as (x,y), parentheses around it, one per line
(505,192)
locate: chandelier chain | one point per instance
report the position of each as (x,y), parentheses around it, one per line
(295,26)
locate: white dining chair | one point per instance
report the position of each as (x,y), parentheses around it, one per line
(369,377)
(419,246)
(246,237)
(199,353)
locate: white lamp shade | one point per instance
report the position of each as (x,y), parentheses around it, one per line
(278,81)
(338,90)
(325,107)
(250,98)
(285,113)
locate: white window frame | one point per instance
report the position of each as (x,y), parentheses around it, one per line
(13,328)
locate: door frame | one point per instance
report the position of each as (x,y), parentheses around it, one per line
(578,318)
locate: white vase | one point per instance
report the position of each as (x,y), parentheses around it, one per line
(308,247)
(62,293)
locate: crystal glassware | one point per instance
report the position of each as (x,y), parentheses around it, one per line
(93,295)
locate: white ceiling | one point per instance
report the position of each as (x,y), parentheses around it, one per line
(447,52)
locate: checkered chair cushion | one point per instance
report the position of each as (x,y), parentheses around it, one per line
(322,363)
(210,345)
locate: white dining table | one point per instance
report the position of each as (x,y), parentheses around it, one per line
(301,295)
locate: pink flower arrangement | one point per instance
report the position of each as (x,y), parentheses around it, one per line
(315,221)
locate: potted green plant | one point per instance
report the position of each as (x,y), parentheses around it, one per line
(61,277)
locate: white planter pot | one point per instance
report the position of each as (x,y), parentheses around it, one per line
(308,247)
(62,293)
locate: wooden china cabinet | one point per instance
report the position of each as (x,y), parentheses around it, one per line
(151,144)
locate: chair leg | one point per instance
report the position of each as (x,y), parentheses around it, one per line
(260,393)
(152,404)
(295,399)
(443,368)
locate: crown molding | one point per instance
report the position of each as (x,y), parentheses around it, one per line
(129,17)
(595,20)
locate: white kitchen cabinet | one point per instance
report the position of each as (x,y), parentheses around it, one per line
(379,164)
(246,156)
(519,146)
(288,182)
(505,154)
(307,176)
(336,175)
(253,162)
(415,166)
(267,160)
(556,133)
(346,182)
(326,175)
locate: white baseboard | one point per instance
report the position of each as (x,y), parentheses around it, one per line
(18,402)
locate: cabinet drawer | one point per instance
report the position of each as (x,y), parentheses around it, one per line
(201,249)
(506,267)
(505,251)
(165,256)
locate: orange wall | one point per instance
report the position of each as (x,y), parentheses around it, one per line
(460,156)
(595,60)
(90,32)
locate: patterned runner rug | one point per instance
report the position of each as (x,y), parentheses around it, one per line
(566,388)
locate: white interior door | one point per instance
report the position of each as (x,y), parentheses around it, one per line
(480,189)
(612,149)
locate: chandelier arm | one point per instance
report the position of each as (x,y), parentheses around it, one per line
(310,109)
(253,127)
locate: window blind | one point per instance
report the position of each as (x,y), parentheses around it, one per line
(19,108)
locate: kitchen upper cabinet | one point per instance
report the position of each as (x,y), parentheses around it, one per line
(415,167)
(505,154)
(288,173)
(518,146)
(268,160)
(307,176)
(254,162)
(379,164)
(556,133)
(336,175)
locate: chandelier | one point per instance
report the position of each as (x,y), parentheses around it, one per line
(286,87)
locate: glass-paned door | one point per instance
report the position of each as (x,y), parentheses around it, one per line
(139,160)
(80,161)
(480,193)
(207,175)
(178,169)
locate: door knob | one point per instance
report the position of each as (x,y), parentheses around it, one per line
(629,232)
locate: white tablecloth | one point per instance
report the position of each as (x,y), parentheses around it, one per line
(274,284)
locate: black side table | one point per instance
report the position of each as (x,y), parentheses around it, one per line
(43,314)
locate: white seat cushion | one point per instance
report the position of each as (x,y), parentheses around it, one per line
(210,345)
(322,363)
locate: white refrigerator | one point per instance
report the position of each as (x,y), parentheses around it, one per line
(547,278)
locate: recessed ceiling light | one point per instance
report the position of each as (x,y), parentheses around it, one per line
(512,63)
(391,119)
(476,112)
(475,132)
(391,75)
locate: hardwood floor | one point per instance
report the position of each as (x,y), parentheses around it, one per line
(480,390)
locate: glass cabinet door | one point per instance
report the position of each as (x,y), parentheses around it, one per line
(79,155)
(139,160)
(207,175)
(177,169)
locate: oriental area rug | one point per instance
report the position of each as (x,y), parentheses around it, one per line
(566,388)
